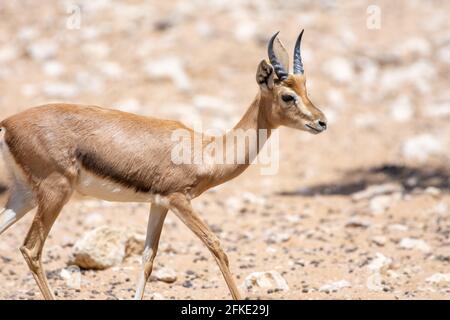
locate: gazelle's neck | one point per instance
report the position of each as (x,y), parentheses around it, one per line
(242,144)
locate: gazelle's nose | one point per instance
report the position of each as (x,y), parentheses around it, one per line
(322,125)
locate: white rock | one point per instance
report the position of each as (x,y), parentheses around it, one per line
(339,69)
(157,296)
(89,82)
(111,69)
(332,115)
(392,80)
(336,99)
(444,54)
(165,275)
(204,28)
(233,204)
(347,36)
(420,147)
(440,109)
(335,286)
(60,90)
(441,209)
(104,247)
(72,276)
(273,237)
(369,71)
(365,120)
(252,198)
(374,282)
(265,280)
(380,264)
(271,250)
(401,109)
(89,33)
(398,227)
(94,218)
(413,46)
(27,33)
(169,68)
(97,50)
(210,103)
(438,278)
(53,68)
(294,218)
(418,244)
(29,90)
(8,53)
(376,190)
(245,30)
(433,191)
(244,26)
(380,204)
(392,274)
(379,240)
(100,248)
(43,50)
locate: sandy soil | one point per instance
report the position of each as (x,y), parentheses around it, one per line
(385,92)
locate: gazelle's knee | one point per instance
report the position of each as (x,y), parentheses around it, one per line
(148,255)
(216,248)
(31,257)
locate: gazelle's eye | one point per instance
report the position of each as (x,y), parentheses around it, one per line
(287,98)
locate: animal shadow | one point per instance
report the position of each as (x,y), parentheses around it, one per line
(359,179)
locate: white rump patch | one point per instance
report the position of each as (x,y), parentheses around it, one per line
(7,217)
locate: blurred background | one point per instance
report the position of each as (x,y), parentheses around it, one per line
(361,211)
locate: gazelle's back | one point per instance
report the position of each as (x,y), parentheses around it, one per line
(106,153)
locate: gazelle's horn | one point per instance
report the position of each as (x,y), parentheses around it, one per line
(279,69)
(298,64)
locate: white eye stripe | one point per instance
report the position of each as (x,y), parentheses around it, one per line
(299,104)
(302,108)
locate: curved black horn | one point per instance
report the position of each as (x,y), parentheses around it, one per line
(298,64)
(279,69)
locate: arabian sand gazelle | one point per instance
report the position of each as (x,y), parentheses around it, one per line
(53,150)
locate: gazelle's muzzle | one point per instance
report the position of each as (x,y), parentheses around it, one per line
(316,126)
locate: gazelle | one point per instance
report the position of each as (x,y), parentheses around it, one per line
(53,150)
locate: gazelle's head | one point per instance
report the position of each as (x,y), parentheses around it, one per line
(286,96)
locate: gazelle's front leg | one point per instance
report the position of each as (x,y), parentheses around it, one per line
(181,206)
(155,224)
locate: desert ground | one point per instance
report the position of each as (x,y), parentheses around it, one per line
(360,211)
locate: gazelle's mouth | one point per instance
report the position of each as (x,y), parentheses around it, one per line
(314,130)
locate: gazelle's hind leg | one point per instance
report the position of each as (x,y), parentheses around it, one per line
(154,228)
(21,200)
(53,193)
(181,206)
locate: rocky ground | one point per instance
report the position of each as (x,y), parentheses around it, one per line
(359,212)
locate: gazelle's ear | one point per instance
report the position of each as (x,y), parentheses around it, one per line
(264,76)
(281,53)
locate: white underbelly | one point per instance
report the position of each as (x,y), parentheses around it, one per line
(92,185)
